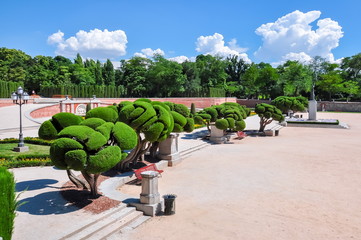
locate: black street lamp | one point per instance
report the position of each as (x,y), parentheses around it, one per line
(20,97)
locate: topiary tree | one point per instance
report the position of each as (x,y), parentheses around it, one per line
(294,104)
(92,149)
(267,114)
(225,116)
(49,130)
(153,121)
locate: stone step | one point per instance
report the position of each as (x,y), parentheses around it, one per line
(106,224)
(114,227)
(188,152)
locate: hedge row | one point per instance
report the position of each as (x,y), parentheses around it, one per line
(83,91)
(6,88)
(22,161)
(30,140)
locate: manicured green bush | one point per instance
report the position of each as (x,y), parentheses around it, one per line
(105,113)
(267,114)
(65,119)
(104,159)
(8,203)
(193,109)
(59,148)
(76,159)
(294,104)
(47,130)
(92,139)
(93,122)
(125,136)
(105,129)
(181,109)
(226,116)
(222,124)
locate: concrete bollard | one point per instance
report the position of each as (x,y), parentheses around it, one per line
(150,194)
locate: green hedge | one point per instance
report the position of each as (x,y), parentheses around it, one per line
(83,91)
(8,203)
(30,140)
(6,88)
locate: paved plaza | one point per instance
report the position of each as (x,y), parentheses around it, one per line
(303,184)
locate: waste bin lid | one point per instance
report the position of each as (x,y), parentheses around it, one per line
(169,196)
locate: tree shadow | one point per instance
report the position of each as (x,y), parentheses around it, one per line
(45,204)
(35,184)
(195,135)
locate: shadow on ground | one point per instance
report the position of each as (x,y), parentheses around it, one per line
(195,135)
(35,184)
(45,204)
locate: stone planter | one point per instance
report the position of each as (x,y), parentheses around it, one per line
(217,135)
(168,150)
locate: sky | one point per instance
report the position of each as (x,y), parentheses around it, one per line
(271,31)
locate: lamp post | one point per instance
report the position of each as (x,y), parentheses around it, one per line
(20,97)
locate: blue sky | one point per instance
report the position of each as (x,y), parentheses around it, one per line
(117,29)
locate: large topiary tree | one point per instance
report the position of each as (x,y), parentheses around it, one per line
(295,104)
(267,114)
(92,146)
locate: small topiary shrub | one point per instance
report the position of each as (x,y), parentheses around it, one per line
(294,104)
(47,130)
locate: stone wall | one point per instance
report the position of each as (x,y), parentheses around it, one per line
(339,106)
(45,111)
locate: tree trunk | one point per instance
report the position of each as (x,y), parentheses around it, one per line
(92,181)
(153,150)
(76,181)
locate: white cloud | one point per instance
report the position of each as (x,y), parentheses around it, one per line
(215,46)
(148,52)
(95,44)
(179,59)
(291,37)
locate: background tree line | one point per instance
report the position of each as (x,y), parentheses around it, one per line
(159,77)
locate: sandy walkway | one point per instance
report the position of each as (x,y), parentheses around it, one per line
(303,184)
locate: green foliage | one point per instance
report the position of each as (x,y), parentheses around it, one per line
(76,159)
(189,127)
(59,148)
(64,119)
(182,109)
(193,109)
(295,104)
(93,122)
(125,136)
(6,88)
(92,139)
(47,130)
(226,116)
(8,203)
(267,114)
(222,124)
(105,113)
(104,159)
(105,129)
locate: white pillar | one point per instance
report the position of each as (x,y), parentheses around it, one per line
(150,194)
(312,110)
(168,150)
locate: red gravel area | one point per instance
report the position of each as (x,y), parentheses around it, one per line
(82,198)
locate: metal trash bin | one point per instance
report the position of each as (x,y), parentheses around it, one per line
(169,204)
